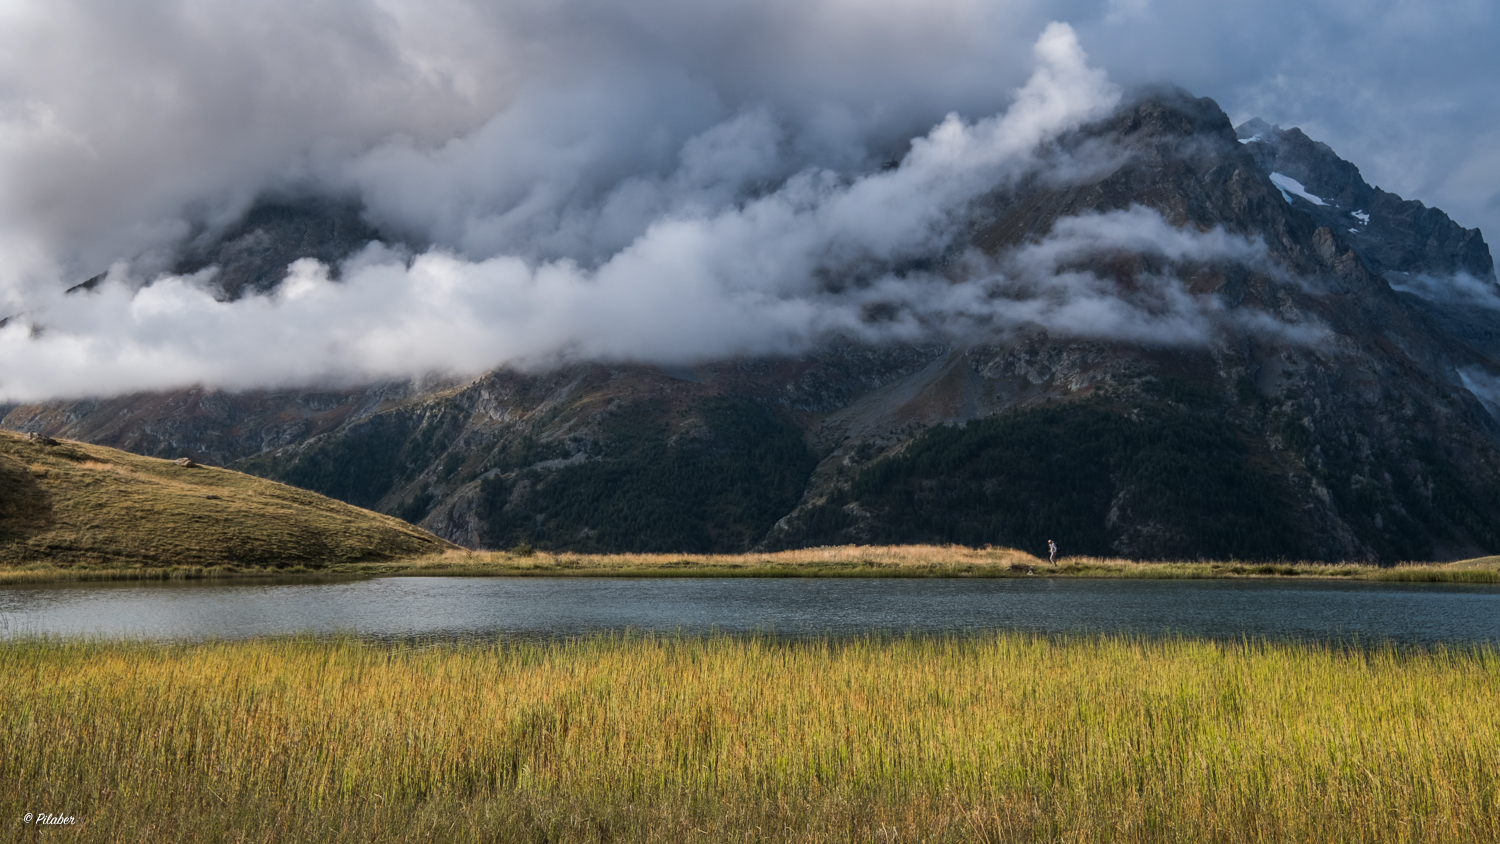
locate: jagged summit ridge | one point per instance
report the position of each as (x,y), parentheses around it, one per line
(1393,234)
(1440,267)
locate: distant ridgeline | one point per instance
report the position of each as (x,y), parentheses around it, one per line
(1373,441)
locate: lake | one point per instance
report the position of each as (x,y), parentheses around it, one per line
(480,608)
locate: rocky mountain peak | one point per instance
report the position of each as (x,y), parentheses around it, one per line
(1166,113)
(1396,236)
(252,255)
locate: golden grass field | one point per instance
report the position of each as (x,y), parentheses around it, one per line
(1005,737)
(70,510)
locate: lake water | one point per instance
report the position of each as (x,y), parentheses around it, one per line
(482,608)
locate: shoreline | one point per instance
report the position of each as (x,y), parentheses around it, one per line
(917,561)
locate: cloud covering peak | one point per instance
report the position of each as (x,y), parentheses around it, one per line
(686,263)
(647,181)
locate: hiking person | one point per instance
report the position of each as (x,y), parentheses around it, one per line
(1052,552)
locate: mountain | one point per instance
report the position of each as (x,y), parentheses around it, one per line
(1393,235)
(1341,406)
(74,504)
(1441,267)
(252,255)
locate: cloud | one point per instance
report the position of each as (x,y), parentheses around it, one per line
(1120,11)
(691,289)
(711,274)
(1485,387)
(1055,284)
(649,180)
(123,127)
(1461,290)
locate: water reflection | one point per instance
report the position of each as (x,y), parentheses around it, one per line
(483,608)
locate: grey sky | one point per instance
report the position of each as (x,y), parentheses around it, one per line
(1407,90)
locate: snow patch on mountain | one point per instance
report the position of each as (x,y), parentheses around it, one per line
(1290,187)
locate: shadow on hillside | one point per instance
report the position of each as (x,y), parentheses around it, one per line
(25,507)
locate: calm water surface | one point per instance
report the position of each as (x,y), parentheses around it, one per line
(468,608)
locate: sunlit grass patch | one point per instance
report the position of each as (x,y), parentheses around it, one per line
(70,510)
(1003,737)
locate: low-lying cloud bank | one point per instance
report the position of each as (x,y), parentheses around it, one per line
(724,254)
(1459,291)
(708,297)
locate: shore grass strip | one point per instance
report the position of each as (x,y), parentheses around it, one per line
(918,561)
(839,561)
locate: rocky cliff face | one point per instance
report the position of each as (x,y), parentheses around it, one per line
(252,255)
(1340,408)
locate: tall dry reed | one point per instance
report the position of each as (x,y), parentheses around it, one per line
(999,738)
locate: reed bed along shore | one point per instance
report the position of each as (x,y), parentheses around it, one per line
(1007,737)
(839,561)
(922,561)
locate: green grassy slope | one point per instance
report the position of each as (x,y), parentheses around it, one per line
(70,504)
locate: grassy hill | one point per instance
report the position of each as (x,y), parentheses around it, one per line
(72,505)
